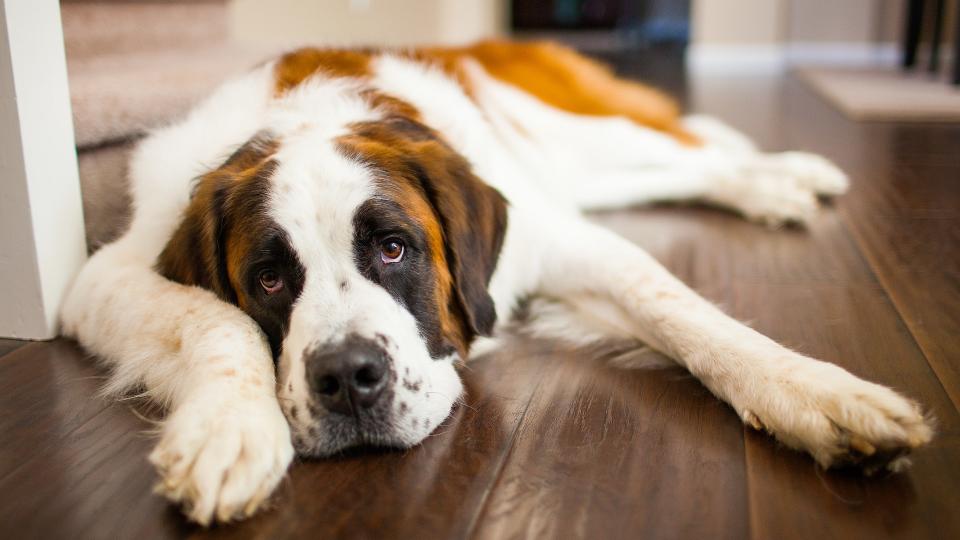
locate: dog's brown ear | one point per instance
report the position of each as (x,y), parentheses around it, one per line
(196,254)
(473,217)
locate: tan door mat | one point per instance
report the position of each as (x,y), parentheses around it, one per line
(886,94)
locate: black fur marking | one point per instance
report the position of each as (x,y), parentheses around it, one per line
(409,281)
(272,312)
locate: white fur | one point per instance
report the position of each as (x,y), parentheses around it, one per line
(226,442)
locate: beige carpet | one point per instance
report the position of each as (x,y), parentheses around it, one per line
(886,94)
(136,65)
(118,96)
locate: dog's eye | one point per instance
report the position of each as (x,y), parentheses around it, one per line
(391,251)
(270,281)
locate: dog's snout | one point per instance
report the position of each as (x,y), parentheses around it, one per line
(350,376)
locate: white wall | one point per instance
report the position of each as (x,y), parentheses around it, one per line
(769,34)
(365,22)
(738,22)
(41,218)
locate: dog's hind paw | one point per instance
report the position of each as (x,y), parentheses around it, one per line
(842,421)
(810,171)
(776,189)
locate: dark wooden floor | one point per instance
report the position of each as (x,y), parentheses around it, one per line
(559,443)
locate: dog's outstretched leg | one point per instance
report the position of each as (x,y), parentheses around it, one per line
(225,443)
(807,404)
(608,162)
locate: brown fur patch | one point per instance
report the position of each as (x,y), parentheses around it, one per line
(553,73)
(204,248)
(294,67)
(389,105)
(567,80)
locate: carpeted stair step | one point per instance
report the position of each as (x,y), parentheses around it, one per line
(117,97)
(135,65)
(105,27)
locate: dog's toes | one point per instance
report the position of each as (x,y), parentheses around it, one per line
(779,203)
(222,463)
(766,193)
(874,455)
(861,446)
(842,421)
(752,420)
(812,172)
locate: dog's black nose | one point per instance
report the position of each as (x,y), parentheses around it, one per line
(348,377)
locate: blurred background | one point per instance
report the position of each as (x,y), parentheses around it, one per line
(720,33)
(861,41)
(136,64)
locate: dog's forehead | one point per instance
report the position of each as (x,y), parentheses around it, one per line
(322,180)
(316,192)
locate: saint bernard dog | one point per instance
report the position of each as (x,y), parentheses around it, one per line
(316,248)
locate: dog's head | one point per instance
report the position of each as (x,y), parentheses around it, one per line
(364,254)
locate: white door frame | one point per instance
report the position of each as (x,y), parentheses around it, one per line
(42,243)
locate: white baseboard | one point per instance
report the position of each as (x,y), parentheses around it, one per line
(765,58)
(842,54)
(734,58)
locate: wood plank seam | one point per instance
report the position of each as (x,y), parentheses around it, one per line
(501,462)
(39,455)
(748,481)
(871,263)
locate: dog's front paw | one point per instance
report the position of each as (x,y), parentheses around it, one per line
(839,419)
(222,460)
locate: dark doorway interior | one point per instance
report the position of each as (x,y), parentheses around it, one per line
(632,22)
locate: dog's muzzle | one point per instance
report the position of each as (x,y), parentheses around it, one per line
(349,377)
